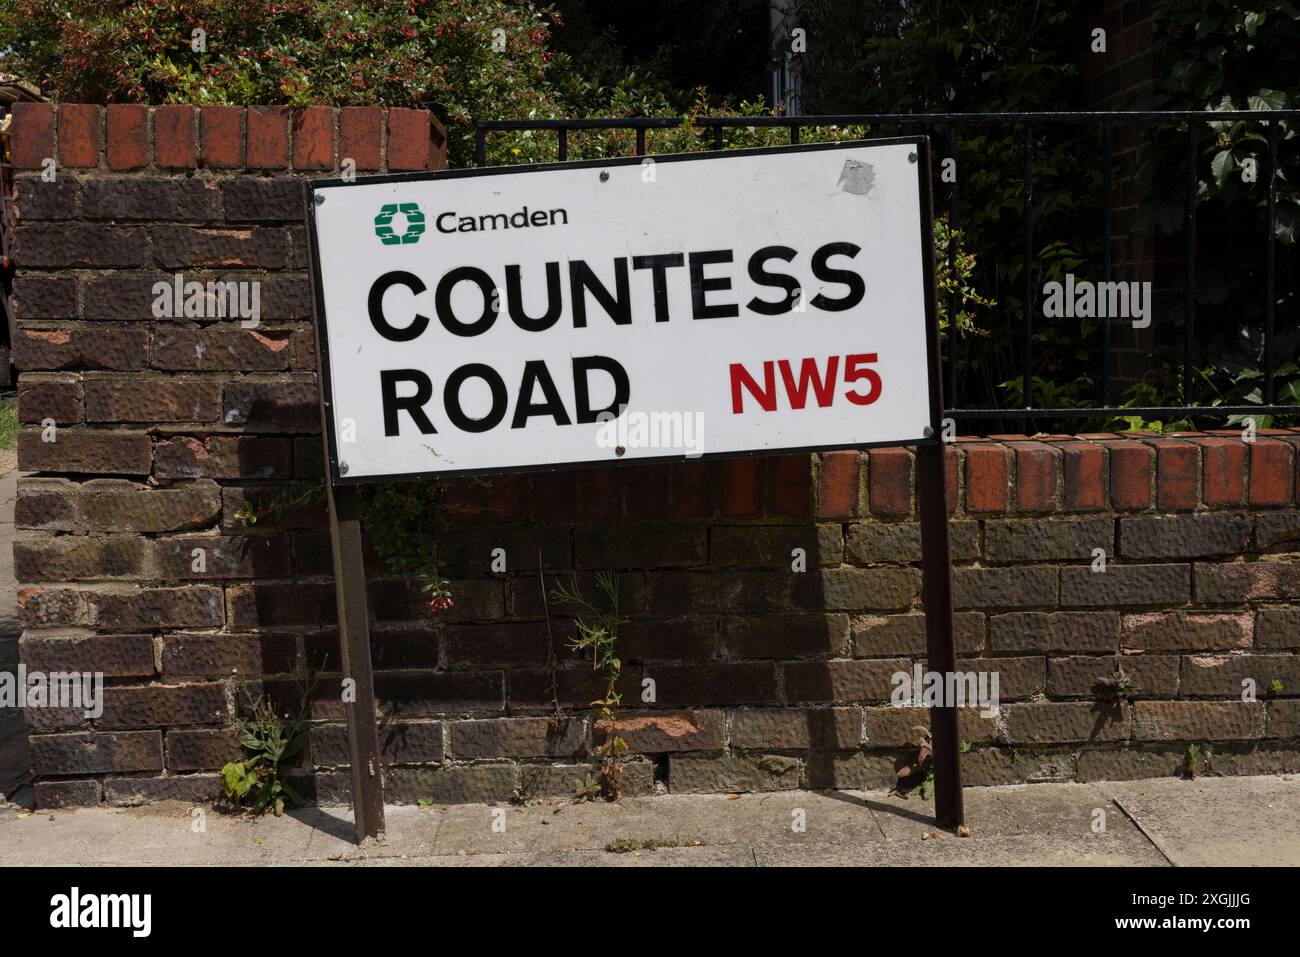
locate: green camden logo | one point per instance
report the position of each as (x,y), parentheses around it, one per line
(414,224)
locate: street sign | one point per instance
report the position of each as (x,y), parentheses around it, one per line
(752,301)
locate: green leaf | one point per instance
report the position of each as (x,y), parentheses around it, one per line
(1267,100)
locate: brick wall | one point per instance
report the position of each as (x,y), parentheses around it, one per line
(764,677)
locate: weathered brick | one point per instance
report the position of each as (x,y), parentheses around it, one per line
(201,750)
(273,604)
(674,639)
(110,505)
(57,794)
(690,774)
(1079,631)
(438,692)
(1083,470)
(640,546)
(1177,470)
(52,395)
(1187,631)
(189,247)
(79,557)
(70,245)
(1197,720)
(1047,722)
(517,738)
(1205,676)
(905,634)
(1277,531)
(740,487)
(1126,585)
(1131,763)
(145,399)
(149,200)
(988,484)
(36,200)
(1283,719)
(1183,536)
(222,456)
(714,683)
(874,543)
(662,732)
(194,606)
(1086,676)
(741,592)
(842,681)
(893,727)
(1247,581)
(190,788)
(313,138)
(498,643)
(97,753)
(1277,628)
(197,655)
(785,636)
(75,450)
(32,140)
(44,297)
(1015,587)
(408,140)
(1021,677)
(167,705)
(281,406)
(254,199)
(220,348)
(789,486)
(855,589)
(103,348)
(772,546)
(1047,539)
(360,131)
(400,742)
(114,656)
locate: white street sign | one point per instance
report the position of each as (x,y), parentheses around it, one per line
(753,301)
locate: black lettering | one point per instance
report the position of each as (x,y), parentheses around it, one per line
(582,280)
(451,398)
(536,373)
(701,287)
(779,280)
(412,404)
(659,266)
(375,304)
(515,299)
(582,394)
(442,301)
(857,287)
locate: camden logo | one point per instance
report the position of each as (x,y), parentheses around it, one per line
(408,212)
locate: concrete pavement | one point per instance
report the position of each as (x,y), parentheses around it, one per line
(1159,822)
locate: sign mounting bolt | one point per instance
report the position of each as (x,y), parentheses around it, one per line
(911,157)
(604,176)
(928,432)
(343,468)
(318,198)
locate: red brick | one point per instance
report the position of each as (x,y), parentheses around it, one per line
(889,481)
(837,485)
(438,158)
(221,132)
(555,497)
(507,499)
(313,138)
(128,136)
(1176,473)
(408,140)
(32,140)
(692,490)
(1270,472)
(80,134)
(987,482)
(360,131)
(600,495)
(647,491)
(268,137)
(741,488)
(789,485)
(1085,486)
(1036,468)
(174,144)
(1130,474)
(1223,471)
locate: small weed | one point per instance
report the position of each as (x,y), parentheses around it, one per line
(1192,761)
(1115,690)
(920,773)
(9,425)
(270,740)
(624,845)
(1275,686)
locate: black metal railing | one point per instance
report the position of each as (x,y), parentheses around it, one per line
(949,123)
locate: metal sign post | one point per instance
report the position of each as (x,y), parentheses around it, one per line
(482,321)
